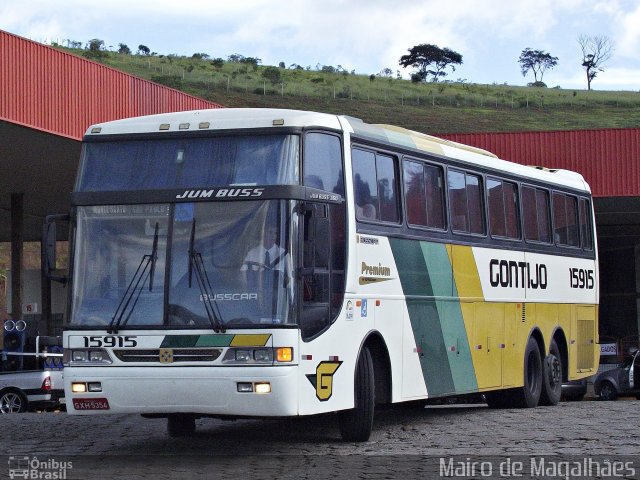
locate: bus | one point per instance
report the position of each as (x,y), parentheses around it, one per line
(273,263)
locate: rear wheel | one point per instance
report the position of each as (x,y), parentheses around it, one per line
(13,402)
(181,425)
(356,424)
(608,392)
(529,395)
(551,376)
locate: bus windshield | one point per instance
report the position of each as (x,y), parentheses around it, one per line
(189,265)
(173,163)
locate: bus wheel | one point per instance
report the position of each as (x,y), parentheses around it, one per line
(181,425)
(529,395)
(551,376)
(356,424)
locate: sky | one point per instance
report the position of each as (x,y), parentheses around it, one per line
(362,35)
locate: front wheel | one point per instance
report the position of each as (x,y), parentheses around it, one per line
(608,392)
(356,424)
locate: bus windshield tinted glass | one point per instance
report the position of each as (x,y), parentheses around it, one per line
(193,162)
(209,265)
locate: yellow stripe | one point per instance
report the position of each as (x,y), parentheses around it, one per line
(250,340)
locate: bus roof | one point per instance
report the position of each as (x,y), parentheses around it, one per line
(243,118)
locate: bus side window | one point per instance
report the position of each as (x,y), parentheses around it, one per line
(535,214)
(565,220)
(375,182)
(323,162)
(503,209)
(586,231)
(465,199)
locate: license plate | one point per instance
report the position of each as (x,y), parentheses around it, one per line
(90,404)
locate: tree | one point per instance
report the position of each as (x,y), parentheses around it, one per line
(200,56)
(95,49)
(143,50)
(431,60)
(124,49)
(537,61)
(596,50)
(272,74)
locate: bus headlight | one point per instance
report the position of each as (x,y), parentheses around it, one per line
(258,356)
(86,356)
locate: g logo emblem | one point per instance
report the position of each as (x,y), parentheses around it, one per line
(323,379)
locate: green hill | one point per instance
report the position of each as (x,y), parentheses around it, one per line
(443,107)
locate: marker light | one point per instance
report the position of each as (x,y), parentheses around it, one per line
(79,387)
(263,387)
(245,387)
(284,354)
(94,386)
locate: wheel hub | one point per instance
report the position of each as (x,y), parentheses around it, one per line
(555,375)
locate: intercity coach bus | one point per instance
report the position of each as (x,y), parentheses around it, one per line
(273,263)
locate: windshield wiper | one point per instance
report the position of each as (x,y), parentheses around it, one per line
(202,277)
(146,269)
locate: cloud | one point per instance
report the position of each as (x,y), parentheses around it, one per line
(629,34)
(365,35)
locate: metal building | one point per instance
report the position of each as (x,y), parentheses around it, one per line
(48,98)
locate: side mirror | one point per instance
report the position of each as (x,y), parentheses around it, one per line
(49,231)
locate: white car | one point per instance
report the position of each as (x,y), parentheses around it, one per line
(28,390)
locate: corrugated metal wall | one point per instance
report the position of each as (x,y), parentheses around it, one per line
(50,90)
(609,159)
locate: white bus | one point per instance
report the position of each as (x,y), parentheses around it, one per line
(270,263)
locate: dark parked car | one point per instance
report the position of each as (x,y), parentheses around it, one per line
(574,390)
(623,380)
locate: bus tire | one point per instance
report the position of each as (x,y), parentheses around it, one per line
(181,425)
(356,423)
(529,395)
(551,376)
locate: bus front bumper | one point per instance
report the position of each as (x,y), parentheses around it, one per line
(234,391)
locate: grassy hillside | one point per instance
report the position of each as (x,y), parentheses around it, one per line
(430,108)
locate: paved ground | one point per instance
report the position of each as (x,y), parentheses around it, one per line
(405,444)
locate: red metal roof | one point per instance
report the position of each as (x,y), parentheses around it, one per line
(50,90)
(609,159)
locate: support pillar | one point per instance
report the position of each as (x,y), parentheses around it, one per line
(17,235)
(45,292)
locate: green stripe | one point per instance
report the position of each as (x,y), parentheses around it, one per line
(454,331)
(423,315)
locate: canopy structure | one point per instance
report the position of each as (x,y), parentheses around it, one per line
(48,98)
